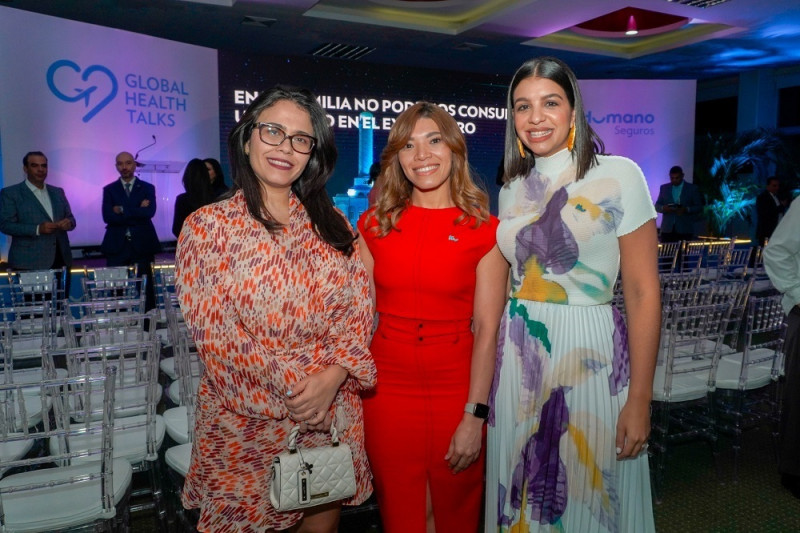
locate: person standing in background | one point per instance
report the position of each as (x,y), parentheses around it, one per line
(198,193)
(37,217)
(782,263)
(681,204)
(769,209)
(217,177)
(129,205)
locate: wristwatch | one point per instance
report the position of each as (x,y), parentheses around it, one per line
(480,410)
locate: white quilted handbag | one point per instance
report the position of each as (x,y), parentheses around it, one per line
(307,477)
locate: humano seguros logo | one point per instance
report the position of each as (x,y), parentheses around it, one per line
(96,86)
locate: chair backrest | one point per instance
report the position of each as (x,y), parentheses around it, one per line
(133,289)
(80,397)
(735,293)
(164,284)
(189,368)
(108,328)
(680,280)
(137,389)
(110,273)
(694,336)
(765,329)
(31,326)
(668,253)
(691,257)
(738,263)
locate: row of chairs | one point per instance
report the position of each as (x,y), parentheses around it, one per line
(108,332)
(720,360)
(713,260)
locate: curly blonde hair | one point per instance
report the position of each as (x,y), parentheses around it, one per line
(396,189)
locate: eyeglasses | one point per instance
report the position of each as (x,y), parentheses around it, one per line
(274,136)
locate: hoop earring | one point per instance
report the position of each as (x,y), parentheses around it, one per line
(571,138)
(521,148)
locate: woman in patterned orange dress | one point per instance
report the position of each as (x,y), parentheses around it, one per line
(277,300)
(439,288)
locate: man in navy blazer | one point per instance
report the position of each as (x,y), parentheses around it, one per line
(37,217)
(129,205)
(681,204)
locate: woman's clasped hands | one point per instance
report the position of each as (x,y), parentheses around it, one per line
(309,400)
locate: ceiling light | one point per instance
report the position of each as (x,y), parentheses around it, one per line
(631,28)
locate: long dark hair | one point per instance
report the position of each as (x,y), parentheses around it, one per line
(587,143)
(309,188)
(197,184)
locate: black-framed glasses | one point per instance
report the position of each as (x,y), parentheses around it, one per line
(274,135)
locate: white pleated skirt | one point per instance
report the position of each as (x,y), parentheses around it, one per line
(558,389)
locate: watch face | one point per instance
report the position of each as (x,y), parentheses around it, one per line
(481,411)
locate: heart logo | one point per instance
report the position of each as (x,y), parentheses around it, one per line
(102,78)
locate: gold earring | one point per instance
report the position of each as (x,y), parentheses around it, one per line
(571,138)
(521,148)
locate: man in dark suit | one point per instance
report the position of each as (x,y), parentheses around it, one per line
(129,205)
(37,217)
(768,210)
(681,204)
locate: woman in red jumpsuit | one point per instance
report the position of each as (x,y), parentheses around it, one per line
(439,284)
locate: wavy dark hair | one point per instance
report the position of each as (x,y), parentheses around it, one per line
(309,188)
(197,184)
(587,143)
(395,186)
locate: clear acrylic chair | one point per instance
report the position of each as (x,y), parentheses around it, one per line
(182,391)
(118,290)
(680,280)
(683,385)
(138,429)
(668,253)
(32,325)
(737,264)
(68,489)
(112,326)
(691,256)
(180,422)
(762,285)
(747,392)
(166,298)
(715,258)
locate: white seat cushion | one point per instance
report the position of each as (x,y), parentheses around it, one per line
(167,366)
(177,422)
(60,506)
(178,458)
(14,450)
(685,387)
(758,375)
(129,443)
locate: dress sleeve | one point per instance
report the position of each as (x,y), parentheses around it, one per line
(249,379)
(637,205)
(351,326)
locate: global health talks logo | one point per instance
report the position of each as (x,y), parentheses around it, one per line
(96,86)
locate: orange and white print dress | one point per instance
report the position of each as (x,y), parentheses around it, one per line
(266,310)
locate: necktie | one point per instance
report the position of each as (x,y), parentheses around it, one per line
(128,189)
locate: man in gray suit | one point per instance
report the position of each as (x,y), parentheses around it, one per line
(37,217)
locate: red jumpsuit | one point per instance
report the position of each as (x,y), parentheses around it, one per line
(425,286)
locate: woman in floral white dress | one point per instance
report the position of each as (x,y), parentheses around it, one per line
(571,394)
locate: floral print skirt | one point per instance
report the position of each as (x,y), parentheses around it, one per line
(560,383)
